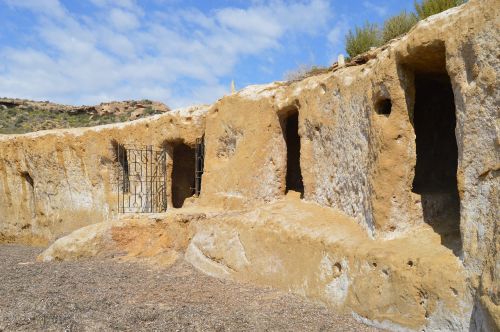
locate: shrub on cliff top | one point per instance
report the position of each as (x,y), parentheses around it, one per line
(369,35)
(304,71)
(362,39)
(398,25)
(431,7)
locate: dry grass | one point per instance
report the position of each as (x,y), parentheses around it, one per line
(430,7)
(362,39)
(304,71)
(398,25)
(370,35)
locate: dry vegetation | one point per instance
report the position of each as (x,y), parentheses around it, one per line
(19,116)
(304,71)
(431,7)
(398,25)
(362,39)
(371,35)
(107,295)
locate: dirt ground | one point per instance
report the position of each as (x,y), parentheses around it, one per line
(103,294)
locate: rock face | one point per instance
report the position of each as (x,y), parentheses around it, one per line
(53,182)
(373,187)
(127,239)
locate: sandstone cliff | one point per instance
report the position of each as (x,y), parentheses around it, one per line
(373,187)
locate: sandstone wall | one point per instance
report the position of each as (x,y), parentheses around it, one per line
(353,158)
(316,252)
(358,152)
(362,162)
(246,149)
(53,182)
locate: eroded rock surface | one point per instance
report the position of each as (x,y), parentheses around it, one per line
(394,161)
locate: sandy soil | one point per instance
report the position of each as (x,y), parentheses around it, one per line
(105,294)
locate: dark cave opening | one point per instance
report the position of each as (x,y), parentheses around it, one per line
(384,107)
(290,125)
(121,156)
(437,156)
(183,174)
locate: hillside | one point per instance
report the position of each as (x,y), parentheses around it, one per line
(18,116)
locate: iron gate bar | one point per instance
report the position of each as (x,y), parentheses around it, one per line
(141,179)
(199,164)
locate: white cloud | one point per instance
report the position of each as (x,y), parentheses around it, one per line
(117,43)
(46,7)
(123,20)
(179,57)
(380,10)
(336,34)
(130,5)
(255,21)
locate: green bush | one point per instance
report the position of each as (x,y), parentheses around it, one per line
(11,112)
(20,120)
(398,25)
(362,39)
(431,7)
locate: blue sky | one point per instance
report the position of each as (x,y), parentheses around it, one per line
(180,52)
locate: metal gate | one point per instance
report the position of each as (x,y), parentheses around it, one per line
(142,179)
(199,162)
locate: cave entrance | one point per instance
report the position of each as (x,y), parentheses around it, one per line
(183,174)
(290,127)
(122,156)
(437,155)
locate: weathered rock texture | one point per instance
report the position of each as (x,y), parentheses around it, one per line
(53,182)
(396,160)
